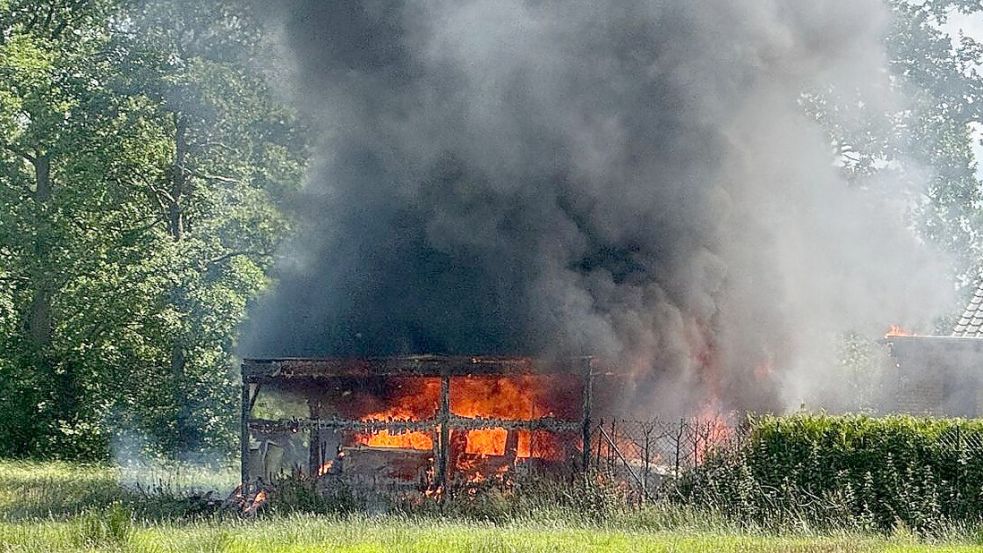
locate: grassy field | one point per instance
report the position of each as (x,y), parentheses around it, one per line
(64,507)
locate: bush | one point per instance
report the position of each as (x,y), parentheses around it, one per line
(855,471)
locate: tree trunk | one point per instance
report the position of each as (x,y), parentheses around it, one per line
(40,321)
(175,212)
(176,228)
(39,325)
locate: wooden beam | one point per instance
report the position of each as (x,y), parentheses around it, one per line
(443,443)
(420,425)
(314,448)
(585,413)
(244,436)
(255,396)
(416,365)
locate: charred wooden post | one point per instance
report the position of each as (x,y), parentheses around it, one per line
(244,433)
(315,457)
(512,446)
(647,455)
(443,441)
(255,396)
(585,412)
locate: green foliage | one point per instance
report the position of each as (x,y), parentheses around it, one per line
(917,149)
(143,166)
(848,471)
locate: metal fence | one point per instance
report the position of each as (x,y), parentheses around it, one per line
(958,441)
(646,453)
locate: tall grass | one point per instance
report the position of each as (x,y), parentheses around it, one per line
(359,533)
(728,507)
(60,490)
(60,507)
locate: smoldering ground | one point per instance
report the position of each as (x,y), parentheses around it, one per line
(631,179)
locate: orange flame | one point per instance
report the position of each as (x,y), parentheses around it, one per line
(523,397)
(489,441)
(898,330)
(406,440)
(415,400)
(251,507)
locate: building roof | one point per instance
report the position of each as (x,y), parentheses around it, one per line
(970,325)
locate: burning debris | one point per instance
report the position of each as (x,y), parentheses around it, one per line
(421,421)
(445,424)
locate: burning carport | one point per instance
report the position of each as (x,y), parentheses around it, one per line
(413,420)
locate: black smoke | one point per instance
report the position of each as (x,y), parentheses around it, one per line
(630,179)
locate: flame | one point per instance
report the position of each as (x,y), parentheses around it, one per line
(489,441)
(325,468)
(414,400)
(898,330)
(251,507)
(710,430)
(523,397)
(405,440)
(515,398)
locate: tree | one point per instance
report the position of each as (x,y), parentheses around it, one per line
(928,137)
(143,166)
(231,150)
(53,109)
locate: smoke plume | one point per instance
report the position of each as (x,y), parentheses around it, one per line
(636,180)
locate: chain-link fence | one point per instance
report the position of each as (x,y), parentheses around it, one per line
(956,440)
(646,453)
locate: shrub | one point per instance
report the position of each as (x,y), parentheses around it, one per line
(855,471)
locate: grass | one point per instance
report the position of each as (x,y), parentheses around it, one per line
(54,507)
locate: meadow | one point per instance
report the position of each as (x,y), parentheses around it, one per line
(56,506)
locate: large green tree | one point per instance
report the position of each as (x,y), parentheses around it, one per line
(920,149)
(143,161)
(232,155)
(55,116)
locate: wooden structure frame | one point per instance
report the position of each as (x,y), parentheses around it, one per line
(257,372)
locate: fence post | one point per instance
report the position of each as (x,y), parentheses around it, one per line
(244,434)
(315,455)
(679,445)
(959,465)
(697,429)
(611,445)
(645,468)
(601,425)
